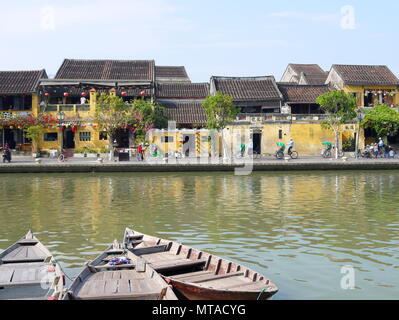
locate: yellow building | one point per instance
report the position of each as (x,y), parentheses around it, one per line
(372,85)
(18,97)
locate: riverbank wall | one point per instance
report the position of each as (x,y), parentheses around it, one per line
(239,169)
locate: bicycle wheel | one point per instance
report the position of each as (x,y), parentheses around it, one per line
(294,155)
(327,154)
(280,155)
(61,158)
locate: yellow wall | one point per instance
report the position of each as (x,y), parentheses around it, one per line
(308,137)
(361,90)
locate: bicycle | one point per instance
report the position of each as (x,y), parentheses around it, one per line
(328,153)
(293,154)
(62,157)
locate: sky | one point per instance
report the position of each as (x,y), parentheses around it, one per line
(210,38)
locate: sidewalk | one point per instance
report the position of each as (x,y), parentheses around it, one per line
(22,164)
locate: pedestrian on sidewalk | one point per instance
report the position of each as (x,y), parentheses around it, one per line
(140,152)
(386,151)
(376,151)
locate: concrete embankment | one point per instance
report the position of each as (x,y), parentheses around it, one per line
(139,167)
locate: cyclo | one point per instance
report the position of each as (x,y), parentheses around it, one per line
(280,151)
(326,152)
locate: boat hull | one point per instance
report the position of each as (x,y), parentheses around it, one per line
(193,292)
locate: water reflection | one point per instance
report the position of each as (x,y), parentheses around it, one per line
(297,228)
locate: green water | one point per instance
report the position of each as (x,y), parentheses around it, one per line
(299,229)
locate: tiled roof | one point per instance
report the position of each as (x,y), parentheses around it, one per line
(366,75)
(166,73)
(185,112)
(315,78)
(306,68)
(143,70)
(248,88)
(294,93)
(20,82)
(182,90)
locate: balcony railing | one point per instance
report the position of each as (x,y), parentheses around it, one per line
(65,108)
(275,117)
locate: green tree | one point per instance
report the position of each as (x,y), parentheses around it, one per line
(339,108)
(35,133)
(383,119)
(139,116)
(220,111)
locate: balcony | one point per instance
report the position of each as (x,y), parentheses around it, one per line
(278,117)
(69,108)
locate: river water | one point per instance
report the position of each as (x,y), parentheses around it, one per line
(313,233)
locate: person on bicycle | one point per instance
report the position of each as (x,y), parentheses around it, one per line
(290,146)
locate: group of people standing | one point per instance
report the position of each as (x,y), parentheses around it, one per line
(381,148)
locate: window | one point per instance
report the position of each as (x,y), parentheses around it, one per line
(280,134)
(85,136)
(51,136)
(103,136)
(167,139)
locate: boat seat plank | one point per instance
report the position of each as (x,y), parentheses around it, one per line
(215,277)
(160,256)
(173,265)
(149,250)
(225,283)
(184,276)
(122,296)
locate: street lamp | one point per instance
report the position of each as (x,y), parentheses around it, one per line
(61,118)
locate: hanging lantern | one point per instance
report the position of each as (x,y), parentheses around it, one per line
(47,94)
(124,93)
(142,93)
(84,94)
(66,94)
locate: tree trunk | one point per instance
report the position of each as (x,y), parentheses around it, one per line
(336,144)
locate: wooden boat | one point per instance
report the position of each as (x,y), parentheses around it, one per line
(29,271)
(135,280)
(198,275)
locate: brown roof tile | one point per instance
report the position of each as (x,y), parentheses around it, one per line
(248,88)
(315,78)
(366,75)
(107,70)
(171,73)
(185,112)
(20,82)
(294,93)
(306,68)
(182,90)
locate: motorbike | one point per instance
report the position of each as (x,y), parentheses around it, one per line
(6,156)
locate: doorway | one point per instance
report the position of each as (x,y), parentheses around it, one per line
(68,139)
(189,145)
(257,143)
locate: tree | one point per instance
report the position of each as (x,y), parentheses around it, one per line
(35,133)
(339,108)
(383,119)
(139,116)
(220,111)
